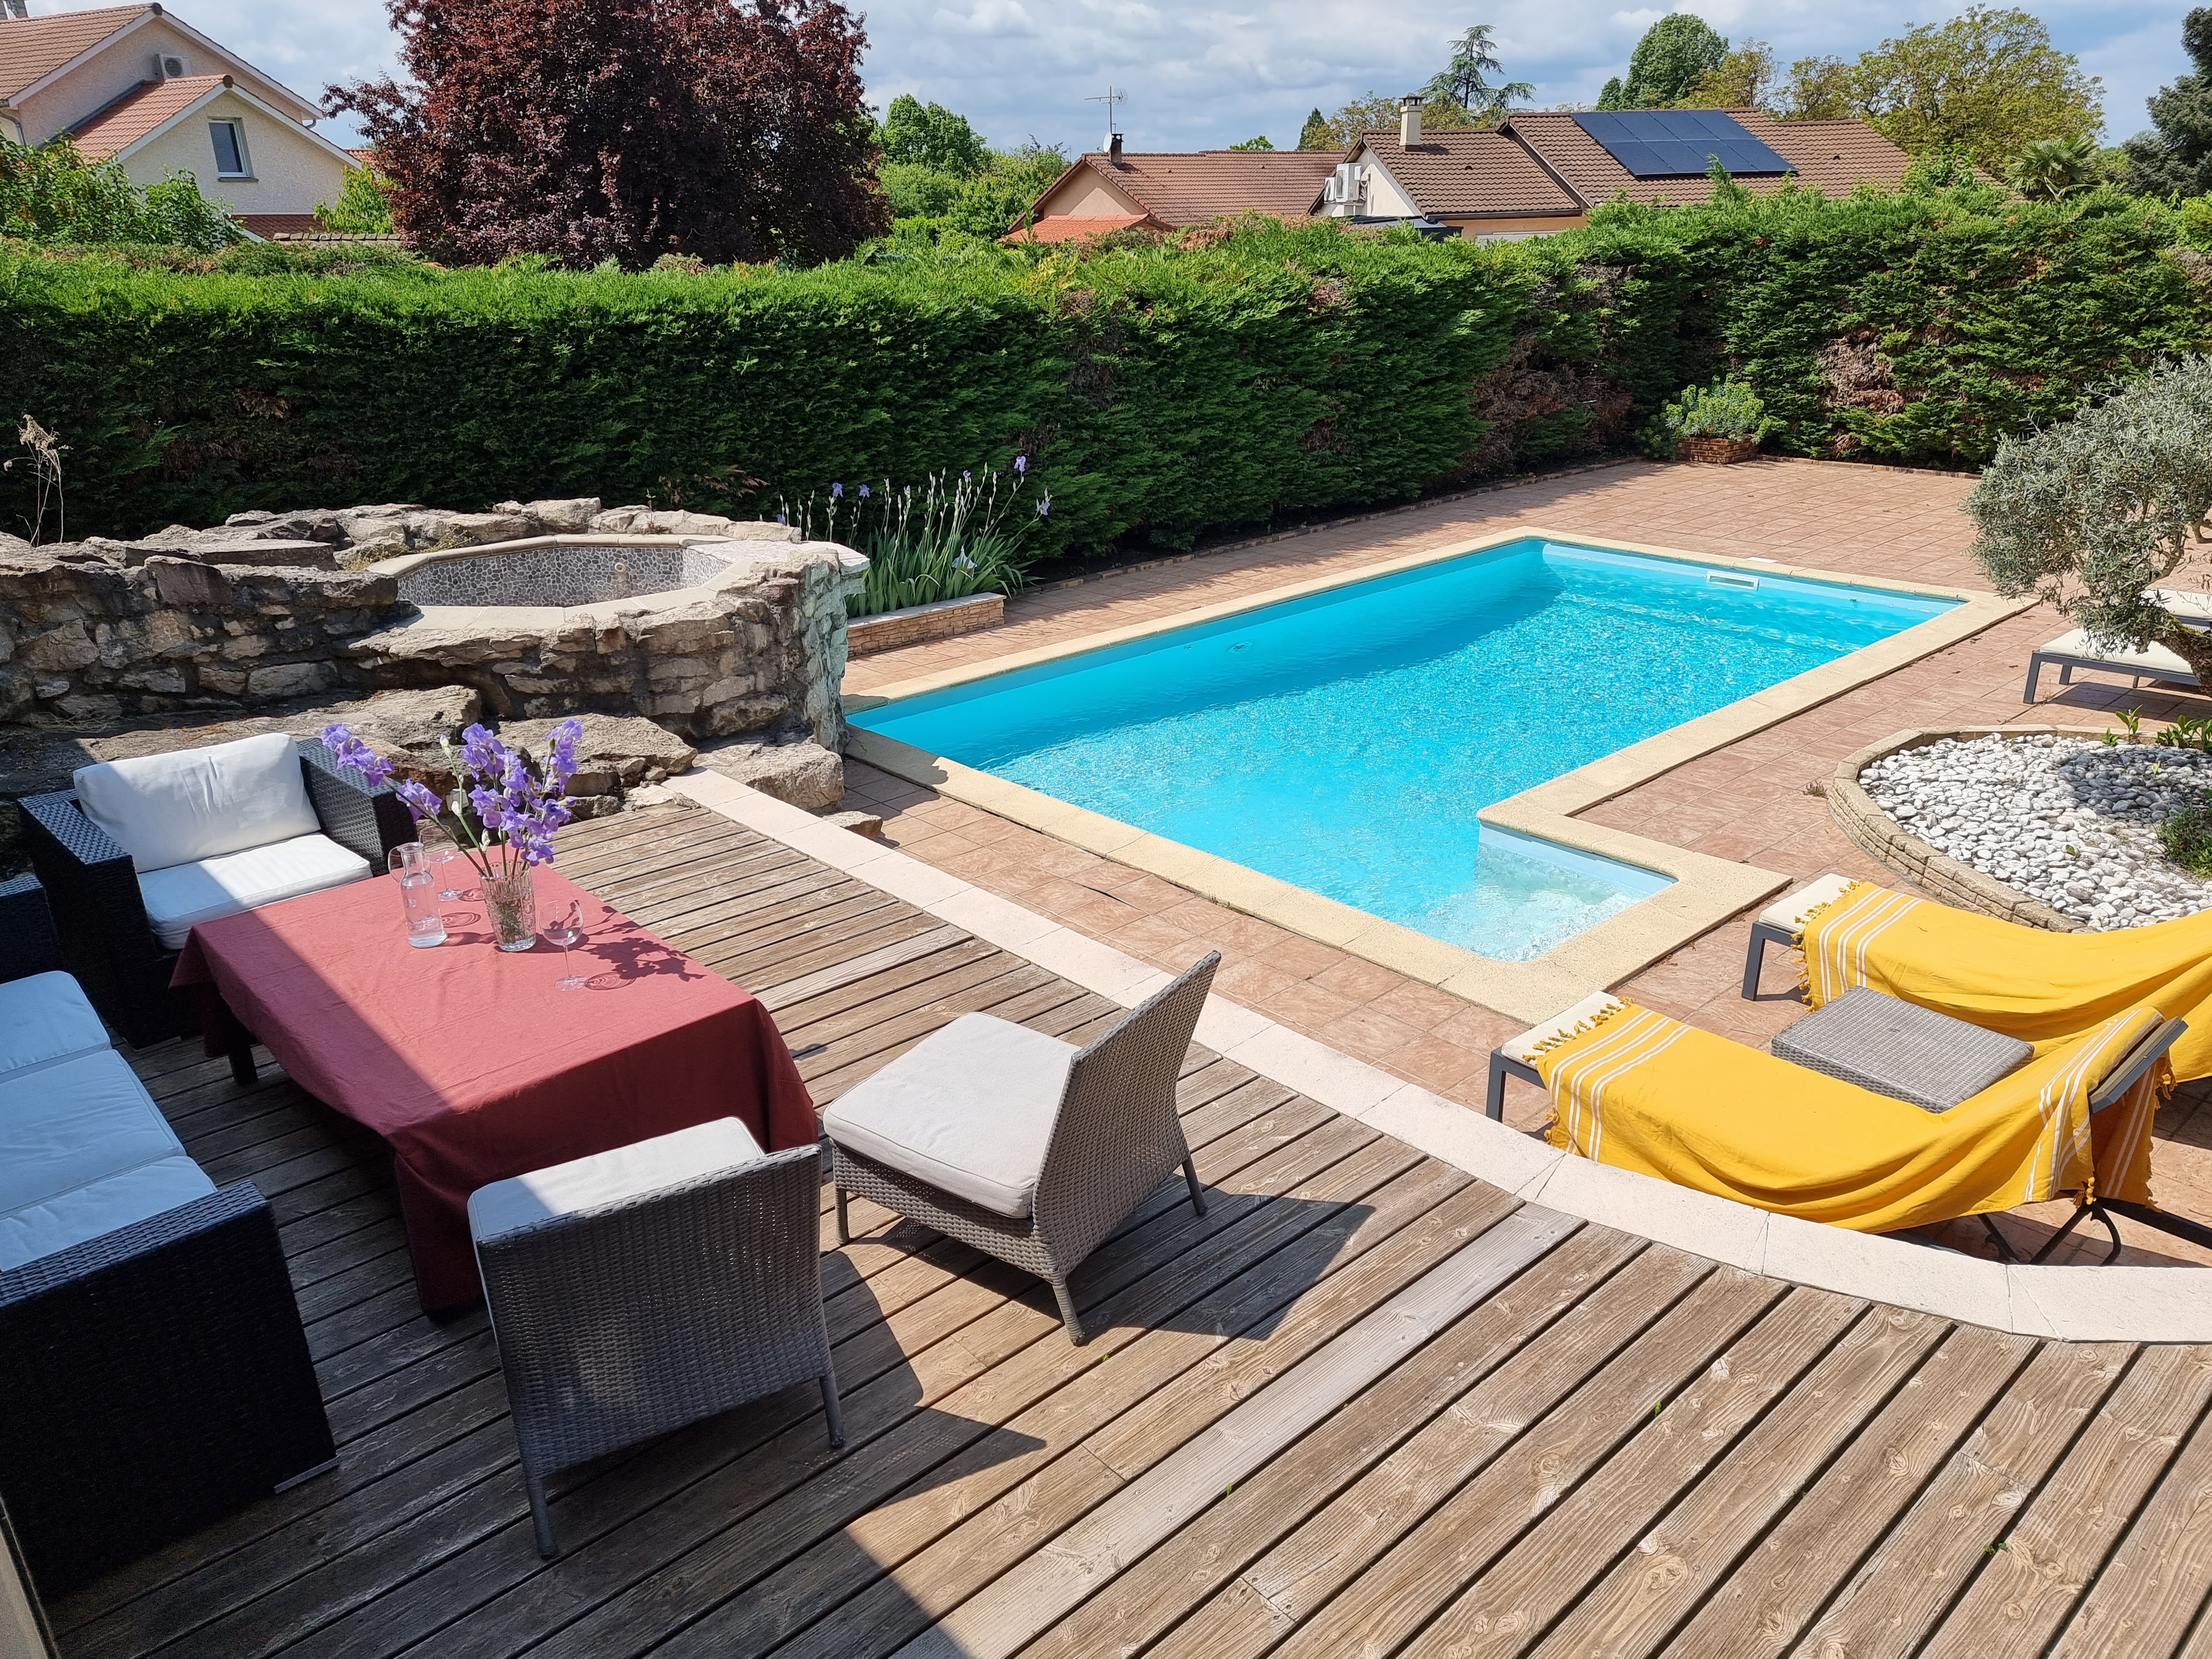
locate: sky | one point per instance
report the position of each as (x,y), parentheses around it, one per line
(1201,75)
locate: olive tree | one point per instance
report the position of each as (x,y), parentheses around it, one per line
(2092,514)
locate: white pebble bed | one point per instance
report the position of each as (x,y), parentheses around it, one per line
(2066,821)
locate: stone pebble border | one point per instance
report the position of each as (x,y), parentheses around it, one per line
(1880,837)
(2072,1304)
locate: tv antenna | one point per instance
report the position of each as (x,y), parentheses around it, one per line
(1109,98)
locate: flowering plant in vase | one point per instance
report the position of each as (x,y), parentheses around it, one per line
(501,815)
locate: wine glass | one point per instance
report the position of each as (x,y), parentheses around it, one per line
(567,931)
(440,847)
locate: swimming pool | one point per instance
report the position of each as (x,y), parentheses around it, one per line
(1345,741)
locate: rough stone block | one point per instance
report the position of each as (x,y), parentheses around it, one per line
(803,775)
(290,679)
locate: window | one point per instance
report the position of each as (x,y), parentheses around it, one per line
(229,148)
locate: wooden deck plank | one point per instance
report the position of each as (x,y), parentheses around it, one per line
(990,1505)
(2023,1591)
(2155,1585)
(1888,1606)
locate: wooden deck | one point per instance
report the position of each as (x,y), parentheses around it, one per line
(1366,1406)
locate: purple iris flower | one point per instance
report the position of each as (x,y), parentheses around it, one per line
(1044,508)
(837,492)
(419,799)
(352,753)
(1021,465)
(566,737)
(864,492)
(480,750)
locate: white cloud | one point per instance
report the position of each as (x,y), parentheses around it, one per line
(1201,75)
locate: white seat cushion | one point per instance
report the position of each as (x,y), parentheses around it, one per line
(1792,910)
(2178,602)
(197,803)
(98,1207)
(44,1018)
(969,1109)
(604,1178)
(186,894)
(67,1125)
(2152,661)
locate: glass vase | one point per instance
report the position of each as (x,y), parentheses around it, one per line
(513,909)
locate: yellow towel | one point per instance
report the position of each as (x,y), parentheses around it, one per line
(1644,1092)
(2040,987)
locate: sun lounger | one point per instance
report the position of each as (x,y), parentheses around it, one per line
(2076,649)
(1643,1092)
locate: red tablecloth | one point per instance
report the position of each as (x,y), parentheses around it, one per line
(473,1063)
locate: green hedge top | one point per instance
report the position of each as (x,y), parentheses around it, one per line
(1163,391)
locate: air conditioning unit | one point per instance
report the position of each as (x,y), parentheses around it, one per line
(167,68)
(1346,186)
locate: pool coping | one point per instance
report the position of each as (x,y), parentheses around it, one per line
(2063,1303)
(1705,892)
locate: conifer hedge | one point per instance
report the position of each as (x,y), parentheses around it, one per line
(1161,391)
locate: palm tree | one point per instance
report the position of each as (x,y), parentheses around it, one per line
(2050,168)
(1465,82)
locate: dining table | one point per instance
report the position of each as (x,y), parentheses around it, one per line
(473,1063)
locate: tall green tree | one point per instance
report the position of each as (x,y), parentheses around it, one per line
(931,135)
(1988,80)
(1675,54)
(1465,81)
(1260,141)
(1742,80)
(2175,156)
(1315,135)
(1378,112)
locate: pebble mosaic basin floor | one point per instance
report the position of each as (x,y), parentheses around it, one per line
(1345,741)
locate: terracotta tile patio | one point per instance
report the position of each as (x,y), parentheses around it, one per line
(1748,802)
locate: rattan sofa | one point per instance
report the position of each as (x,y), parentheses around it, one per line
(153,1374)
(108,942)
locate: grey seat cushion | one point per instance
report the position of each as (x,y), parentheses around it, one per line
(969,1109)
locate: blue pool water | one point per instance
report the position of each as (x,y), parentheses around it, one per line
(1345,741)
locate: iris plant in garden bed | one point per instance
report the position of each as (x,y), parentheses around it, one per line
(943,540)
(508,805)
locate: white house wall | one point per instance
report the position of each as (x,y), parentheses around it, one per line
(1088,196)
(1384,199)
(291,171)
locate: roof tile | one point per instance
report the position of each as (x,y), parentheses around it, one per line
(1834,155)
(1462,171)
(31,47)
(1195,188)
(113,129)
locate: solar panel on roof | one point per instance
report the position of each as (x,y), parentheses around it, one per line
(1677,143)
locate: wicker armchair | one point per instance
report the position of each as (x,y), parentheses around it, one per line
(640,1290)
(108,943)
(1022,1145)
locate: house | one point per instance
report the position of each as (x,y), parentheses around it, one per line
(1113,190)
(1541,171)
(136,85)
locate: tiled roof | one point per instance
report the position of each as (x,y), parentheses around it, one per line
(1833,154)
(1470,170)
(33,46)
(1080,227)
(281,224)
(113,129)
(1195,188)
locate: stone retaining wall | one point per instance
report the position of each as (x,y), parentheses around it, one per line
(1874,833)
(911,626)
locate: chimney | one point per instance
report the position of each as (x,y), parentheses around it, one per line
(1409,119)
(1114,148)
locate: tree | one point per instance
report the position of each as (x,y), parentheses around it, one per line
(931,135)
(1464,81)
(1674,55)
(625,129)
(2050,168)
(364,207)
(1742,80)
(1988,81)
(1820,89)
(2092,513)
(1259,142)
(1315,135)
(2175,156)
(1377,113)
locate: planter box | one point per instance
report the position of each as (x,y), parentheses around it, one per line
(918,622)
(1716,452)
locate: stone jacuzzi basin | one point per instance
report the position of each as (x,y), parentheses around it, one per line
(709,636)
